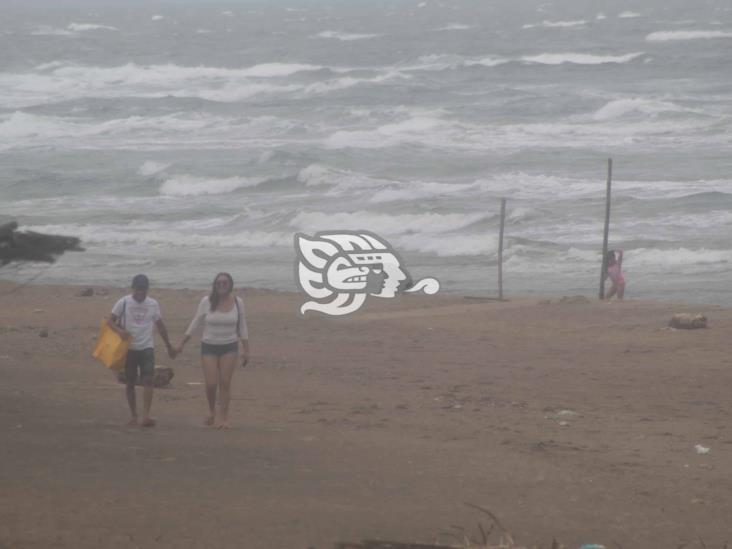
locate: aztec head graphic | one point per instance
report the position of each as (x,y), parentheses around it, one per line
(338,269)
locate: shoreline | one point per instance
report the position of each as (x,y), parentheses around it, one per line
(8,287)
(574,421)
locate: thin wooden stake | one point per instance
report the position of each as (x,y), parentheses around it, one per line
(500,249)
(607,228)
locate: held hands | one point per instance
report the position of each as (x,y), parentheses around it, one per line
(172,351)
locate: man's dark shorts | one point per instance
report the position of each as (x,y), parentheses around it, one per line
(144,360)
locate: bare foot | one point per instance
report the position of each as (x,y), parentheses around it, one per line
(208,421)
(148,422)
(132,422)
(222,424)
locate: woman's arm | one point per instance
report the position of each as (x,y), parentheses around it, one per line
(201,311)
(243,334)
(244,352)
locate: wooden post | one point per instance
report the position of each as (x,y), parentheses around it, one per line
(607,228)
(500,249)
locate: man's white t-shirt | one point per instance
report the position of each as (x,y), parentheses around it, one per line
(139,320)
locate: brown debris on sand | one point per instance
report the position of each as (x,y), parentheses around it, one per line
(161,379)
(460,535)
(574,300)
(688,321)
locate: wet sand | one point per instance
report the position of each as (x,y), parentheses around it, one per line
(574,421)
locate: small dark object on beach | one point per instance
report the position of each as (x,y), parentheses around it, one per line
(574,300)
(43,333)
(86,292)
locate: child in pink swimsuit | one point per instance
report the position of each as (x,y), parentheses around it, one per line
(614,271)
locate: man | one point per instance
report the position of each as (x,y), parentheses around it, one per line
(133,318)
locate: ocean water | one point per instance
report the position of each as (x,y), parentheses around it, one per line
(180,139)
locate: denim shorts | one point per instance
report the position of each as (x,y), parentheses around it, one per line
(219,350)
(144,360)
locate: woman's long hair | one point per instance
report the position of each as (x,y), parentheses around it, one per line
(610,258)
(214,297)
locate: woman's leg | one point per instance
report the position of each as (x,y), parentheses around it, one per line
(612,291)
(227,365)
(621,290)
(210,366)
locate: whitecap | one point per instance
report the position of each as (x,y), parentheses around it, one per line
(412,130)
(414,191)
(47,30)
(151,168)
(448,245)
(439,62)
(191,185)
(384,224)
(89,27)
(557,24)
(677,258)
(667,36)
(621,107)
(160,235)
(345,36)
(455,27)
(579,58)
(629,15)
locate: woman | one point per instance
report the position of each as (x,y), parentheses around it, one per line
(615,273)
(224,325)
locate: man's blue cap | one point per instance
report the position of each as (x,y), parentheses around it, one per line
(140,281)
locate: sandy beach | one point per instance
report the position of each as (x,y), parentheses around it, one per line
(569,420)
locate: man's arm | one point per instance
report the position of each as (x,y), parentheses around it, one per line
(121,332)
(163,331)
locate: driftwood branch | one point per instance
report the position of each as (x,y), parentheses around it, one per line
(31,246)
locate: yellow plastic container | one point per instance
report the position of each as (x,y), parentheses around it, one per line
(111,349)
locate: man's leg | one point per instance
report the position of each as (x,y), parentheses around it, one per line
(148,373)
(130,380)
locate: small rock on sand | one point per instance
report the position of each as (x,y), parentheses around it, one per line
(574,299)
(687,321)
